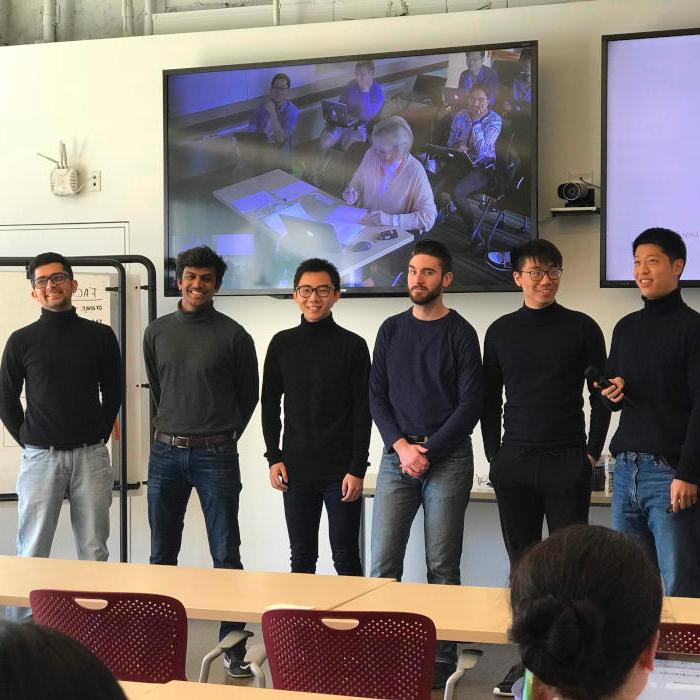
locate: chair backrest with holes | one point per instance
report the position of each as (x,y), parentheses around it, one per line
(368,654)
(138,636)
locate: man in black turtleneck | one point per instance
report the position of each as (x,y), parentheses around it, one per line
(322,370)
(203,374)
(654,366)
(542,467)
(71,371)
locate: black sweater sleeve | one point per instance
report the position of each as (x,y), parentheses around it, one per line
(361,419)
(270,404)
(110,380)
(11,381)
(600,416)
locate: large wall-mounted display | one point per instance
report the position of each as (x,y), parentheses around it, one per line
(353,160)
(651,149)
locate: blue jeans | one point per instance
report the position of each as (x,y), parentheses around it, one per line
(641,496)
(214,473)
(443,491)
(45,477)
(303,502)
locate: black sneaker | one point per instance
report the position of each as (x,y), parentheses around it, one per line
(236,668)
(443,670)
(505,687)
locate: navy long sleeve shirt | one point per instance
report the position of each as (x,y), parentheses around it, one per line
(426,379)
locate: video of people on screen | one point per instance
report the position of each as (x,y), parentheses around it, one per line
(354,161)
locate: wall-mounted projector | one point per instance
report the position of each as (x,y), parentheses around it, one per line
(579,198)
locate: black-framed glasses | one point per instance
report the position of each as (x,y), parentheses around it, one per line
(305,290)
(56,278)
(537,275)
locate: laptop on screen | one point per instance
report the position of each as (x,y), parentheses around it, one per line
(675,676)
(336,113)
(309,239)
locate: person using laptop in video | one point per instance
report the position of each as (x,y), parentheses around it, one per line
(322,370)
(473,132)
(364,99)
(390,182)
(479,75)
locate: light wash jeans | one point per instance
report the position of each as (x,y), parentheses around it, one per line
(443,491)
(45,476)
(641,497)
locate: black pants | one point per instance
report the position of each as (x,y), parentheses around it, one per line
(303,503)
(533,484)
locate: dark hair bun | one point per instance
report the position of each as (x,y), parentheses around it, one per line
(561,641)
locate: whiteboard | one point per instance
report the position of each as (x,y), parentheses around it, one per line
(95,238)
(90,300)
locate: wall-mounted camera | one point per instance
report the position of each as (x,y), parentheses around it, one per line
(579,198)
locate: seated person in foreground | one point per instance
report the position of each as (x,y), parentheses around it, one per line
(364,99)
(586,610)
(38,662)
(479,75)
(473,131)
(390,182)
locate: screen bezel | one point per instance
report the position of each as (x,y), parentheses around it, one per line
(606,40)
(170,288)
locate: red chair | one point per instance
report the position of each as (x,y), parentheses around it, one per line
(374,655)
(679,638)
(138,636)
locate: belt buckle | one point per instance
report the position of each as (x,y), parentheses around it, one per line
(182,443)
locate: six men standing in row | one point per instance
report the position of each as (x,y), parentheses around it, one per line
(426,390)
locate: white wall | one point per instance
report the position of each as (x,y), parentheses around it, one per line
(105,100)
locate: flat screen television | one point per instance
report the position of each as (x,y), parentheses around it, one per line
(650,147)
(354,159)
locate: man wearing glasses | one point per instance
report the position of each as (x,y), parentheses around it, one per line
(541,467)
(322,371)
(70,368)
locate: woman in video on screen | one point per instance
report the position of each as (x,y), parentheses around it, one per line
(586,609)
(38,662)
(390,183)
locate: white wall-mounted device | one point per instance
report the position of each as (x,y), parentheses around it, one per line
(64,181)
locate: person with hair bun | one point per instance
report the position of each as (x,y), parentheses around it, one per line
(586,609)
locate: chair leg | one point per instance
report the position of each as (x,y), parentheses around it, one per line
(230,640)
(468,658)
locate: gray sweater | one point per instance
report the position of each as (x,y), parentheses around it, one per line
(203,372)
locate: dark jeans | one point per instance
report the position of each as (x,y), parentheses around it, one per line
(303,503)
(215,475)
(536,483)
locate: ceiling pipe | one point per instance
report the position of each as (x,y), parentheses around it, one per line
(276,12)
(127,18)
(50,20)
(4,22)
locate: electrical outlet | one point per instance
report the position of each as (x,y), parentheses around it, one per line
(94,181)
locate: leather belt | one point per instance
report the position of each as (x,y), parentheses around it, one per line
(417,439)
(186,441)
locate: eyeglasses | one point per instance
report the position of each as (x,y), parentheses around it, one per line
(537,275)
(322,291)
(56,278)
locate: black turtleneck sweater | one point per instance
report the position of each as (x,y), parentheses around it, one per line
(657,352)
(203,372)
(65,362)
(322,370)
(540,356)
